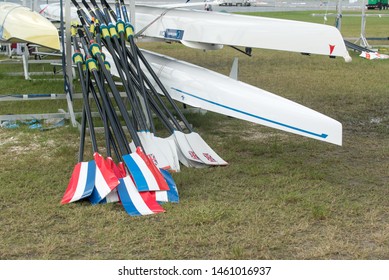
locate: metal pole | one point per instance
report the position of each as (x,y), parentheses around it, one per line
(132,13)
(67,52)
(363,39)
(338,23)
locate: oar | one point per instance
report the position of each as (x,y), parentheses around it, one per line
(82,181)
(106,31)
(88,178)
(134,203)
(146,133)
(166,146)
(200,149)
(105,179)
(148,142)
(136,160)
(138,77)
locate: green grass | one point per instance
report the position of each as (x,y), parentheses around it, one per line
(281,196)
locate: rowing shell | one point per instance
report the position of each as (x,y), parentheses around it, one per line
(206,89)
(19,24)
(212,30)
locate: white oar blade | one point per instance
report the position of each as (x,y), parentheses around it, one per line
(203,150)
(152,149)
(168,147)
(186,155)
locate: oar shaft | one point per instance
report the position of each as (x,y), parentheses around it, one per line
(82,136)
(79,62)
(161,86)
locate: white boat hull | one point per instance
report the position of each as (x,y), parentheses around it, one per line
(206,89)
(193,27)
(19,24)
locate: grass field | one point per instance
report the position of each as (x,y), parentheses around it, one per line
(281,196)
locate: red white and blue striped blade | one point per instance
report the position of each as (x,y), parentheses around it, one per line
(105,180)
(144,178)
(81,183)
(112,197)
(162,184)
(137,203)
(172,194)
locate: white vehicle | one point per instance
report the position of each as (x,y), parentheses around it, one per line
(234,3)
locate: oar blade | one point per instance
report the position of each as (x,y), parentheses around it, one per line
(186,155)
(105,180)
(113,196)
(142,175)
(168,147)
(81,183)
(203,150)
(152,149)
(134,202)
(172,194)
(162,184)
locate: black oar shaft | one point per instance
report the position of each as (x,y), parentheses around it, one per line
(85,93)
(82,136)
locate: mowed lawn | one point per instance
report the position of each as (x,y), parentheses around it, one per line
(282,196)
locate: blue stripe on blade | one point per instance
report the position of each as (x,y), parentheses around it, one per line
(136,173)
(126,200)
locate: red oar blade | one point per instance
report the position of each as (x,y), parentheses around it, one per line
(113,196)
(81,182)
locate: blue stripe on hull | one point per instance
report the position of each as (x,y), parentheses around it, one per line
(323,135)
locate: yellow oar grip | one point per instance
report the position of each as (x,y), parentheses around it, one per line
(73,30)
(129,30)
(112,30)
(104,31)
(91,64)
(77,58)
(120,27)
(107,65)
(94,49)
